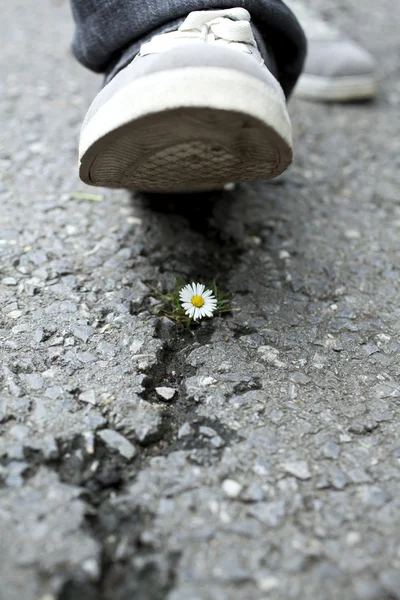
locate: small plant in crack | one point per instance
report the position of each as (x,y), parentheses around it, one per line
(187,303)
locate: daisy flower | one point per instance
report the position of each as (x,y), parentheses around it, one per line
(196,301)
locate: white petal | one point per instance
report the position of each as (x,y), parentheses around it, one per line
(209,306)
(200,289)
(207,294)
(187,308)
(185,292)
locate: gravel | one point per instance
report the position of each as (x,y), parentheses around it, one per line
(116,441)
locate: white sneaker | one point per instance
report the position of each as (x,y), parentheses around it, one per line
(336,68)
(196,109)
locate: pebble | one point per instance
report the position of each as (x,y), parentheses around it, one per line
(50,448)
(22,328)
(91,567)
(184,430)
(82,332)
(352,234)
(118,442)
(207,431)
(11,281)
(298,469)
(15,471)
(134,220)
(15,314)
(53,392)
(370,349)
(106,349)
(353,538)
(142,419)
(19,432)
(89,397)
(338,478)
(38,335)
(266,584)
(300,378)
(270,513)
(88,436)
(331,449)
(217,441)
(166,393)
(196,387)
(270,356)
(85,357)
(34,381)
(231,488)
(358,476)
(383,415)
(253,493)
(207,381)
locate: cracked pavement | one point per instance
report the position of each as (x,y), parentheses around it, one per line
(273,470)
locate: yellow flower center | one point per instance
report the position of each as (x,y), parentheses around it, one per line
(197,301)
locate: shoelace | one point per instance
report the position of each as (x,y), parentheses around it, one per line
(314,27)
(230,26)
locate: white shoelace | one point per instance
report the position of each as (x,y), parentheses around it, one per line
(314,27)
(231,26)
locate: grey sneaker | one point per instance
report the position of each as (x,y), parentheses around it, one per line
(196,109)
(336,68)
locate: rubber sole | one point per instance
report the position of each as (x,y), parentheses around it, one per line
(187,129)
(336,89)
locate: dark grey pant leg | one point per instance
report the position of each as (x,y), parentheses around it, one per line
(109,32)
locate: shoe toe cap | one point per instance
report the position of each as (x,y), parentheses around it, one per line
(339,58)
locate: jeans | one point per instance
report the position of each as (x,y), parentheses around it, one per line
(109,33)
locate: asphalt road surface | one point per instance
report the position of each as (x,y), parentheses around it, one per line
(273,472)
